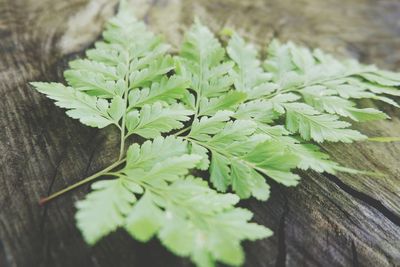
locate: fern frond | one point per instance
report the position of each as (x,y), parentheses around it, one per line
(182,211)
(220,109)
(311,124)
(248,75)
(90,110)
(152,120)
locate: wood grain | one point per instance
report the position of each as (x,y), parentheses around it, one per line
(342,220)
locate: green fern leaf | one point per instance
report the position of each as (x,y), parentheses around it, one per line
(104,210)
(248,76)
(90,110)
(311,124)
(152,120)
(182,211)
(212,110)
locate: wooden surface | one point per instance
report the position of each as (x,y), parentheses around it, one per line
(341,220)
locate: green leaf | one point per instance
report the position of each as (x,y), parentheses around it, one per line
(167,90)
(200,60)
(323,100)
(272,160)
(151,152)
(219,110)
(247,182)
(92,83)
(153,72)
(228,101)
(280,64)
(90,67)
(184,212)
(219,231)
(104,209)
(152,120)
(233,131)
(209,125)
(373,87)
(311,124)
(220,171)
(257,110)
(248,77)
(309,155)
(89,110)
(178,236)
(172,168)
(201,151)
(145,219)
(382,78)
(234,224)
(117,108)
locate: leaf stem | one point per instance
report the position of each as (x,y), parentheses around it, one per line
(384,139)
(122,144)
(125,98)
(182,131)
(226,154)
(44,200)
(296,88)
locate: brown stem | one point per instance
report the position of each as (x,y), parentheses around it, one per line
(44,200)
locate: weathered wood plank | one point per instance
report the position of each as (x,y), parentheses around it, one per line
(326,221)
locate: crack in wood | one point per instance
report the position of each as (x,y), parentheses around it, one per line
(370,201)
(354,254)
(44,214)
(281,257)
(92,140)
(45,246)
(3,256)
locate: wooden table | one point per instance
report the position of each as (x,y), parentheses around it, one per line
(342,220)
